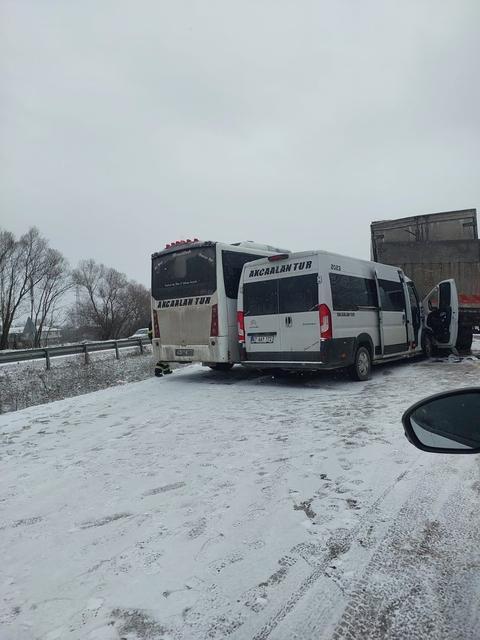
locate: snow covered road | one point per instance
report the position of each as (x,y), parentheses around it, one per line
(208,505)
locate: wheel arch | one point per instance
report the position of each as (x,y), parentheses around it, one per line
(364,340)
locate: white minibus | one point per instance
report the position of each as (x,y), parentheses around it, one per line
(320,310)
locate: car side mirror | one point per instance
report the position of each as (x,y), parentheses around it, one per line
(445,423)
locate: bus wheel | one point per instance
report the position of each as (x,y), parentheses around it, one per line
(362,366)
(221,366)
(427,345)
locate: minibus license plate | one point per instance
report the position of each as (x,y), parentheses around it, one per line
(259,339)
(184,352)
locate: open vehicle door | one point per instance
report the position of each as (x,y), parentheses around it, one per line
(441,314)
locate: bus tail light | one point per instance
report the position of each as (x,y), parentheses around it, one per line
(214,321)
(156,328)
(325,322)
(241,326)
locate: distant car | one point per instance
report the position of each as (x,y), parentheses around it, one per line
(140,333)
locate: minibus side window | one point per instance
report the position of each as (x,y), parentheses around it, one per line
(392,295)
(415,308)
(412,294)
(352,293)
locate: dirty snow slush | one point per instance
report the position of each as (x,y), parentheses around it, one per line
(209,505)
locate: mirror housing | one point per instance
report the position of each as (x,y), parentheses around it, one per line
(447,422)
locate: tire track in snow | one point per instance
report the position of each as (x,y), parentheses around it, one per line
(417,584)
(342,544)
(414,579)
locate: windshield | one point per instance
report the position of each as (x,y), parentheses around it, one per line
(190,272)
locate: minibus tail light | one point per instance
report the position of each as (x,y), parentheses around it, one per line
(325,322)
(156,328)
(214,321)
(241,326)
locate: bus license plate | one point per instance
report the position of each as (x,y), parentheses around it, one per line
(259,339)
(184,352)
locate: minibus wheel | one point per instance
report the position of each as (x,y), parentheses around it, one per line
(362,365)
(221,366)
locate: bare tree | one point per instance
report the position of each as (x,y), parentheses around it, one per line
(47,294)
(109,302)
(138,307)
(21,269)
(101,303)
(7,241)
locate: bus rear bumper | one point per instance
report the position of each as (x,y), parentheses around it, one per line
(216,351)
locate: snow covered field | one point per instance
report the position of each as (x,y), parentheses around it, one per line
(207,505)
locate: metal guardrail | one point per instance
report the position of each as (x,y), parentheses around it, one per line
(85,348)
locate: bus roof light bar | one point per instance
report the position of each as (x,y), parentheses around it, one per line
(180,242)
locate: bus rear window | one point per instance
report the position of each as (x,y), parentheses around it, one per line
(190,272)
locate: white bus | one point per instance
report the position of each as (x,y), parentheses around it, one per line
(194,301)
(320,310)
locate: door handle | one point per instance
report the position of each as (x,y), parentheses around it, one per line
(288,321)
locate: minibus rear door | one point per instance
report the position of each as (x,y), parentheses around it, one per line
(261,320)
(299,317)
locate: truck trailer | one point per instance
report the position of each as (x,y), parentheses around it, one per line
(434,247)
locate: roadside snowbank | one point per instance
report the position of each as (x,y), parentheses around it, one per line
(28,383)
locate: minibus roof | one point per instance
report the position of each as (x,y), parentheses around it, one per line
(314,252)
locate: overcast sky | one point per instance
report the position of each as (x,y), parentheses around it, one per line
(126,125)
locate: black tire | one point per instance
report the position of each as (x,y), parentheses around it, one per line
(221,366)
(428,347)
(361,368)
(464,339)
(158,373)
